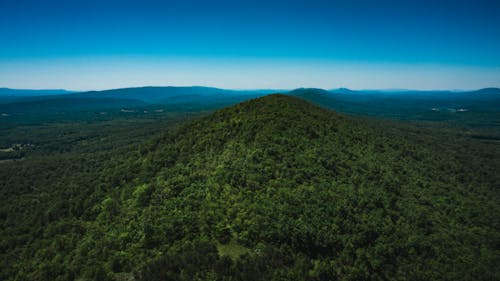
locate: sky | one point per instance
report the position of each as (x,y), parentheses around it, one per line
(250,44)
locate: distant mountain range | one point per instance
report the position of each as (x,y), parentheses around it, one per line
(396,104)
(206,96)
(152,94)
(23,92)
(169,95)
(408,104)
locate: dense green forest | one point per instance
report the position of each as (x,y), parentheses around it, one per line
(274,188)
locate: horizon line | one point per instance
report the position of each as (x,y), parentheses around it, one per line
(255,89)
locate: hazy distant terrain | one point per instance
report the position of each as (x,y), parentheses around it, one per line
(6,92)
(475,108)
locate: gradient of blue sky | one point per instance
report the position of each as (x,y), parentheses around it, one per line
(91,44)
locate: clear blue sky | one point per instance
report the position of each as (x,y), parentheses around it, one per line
(97,44)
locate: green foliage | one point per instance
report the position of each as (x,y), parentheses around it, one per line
(232,249)
(270,189)
(142,195)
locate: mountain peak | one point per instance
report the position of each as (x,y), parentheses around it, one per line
(259,122)
(272,105)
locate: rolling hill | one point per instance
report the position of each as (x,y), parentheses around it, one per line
(7,92)
(176,95)
(8,95)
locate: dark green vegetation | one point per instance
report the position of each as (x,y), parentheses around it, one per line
(270,189)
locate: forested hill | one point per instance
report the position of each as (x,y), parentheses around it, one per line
(274,188)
